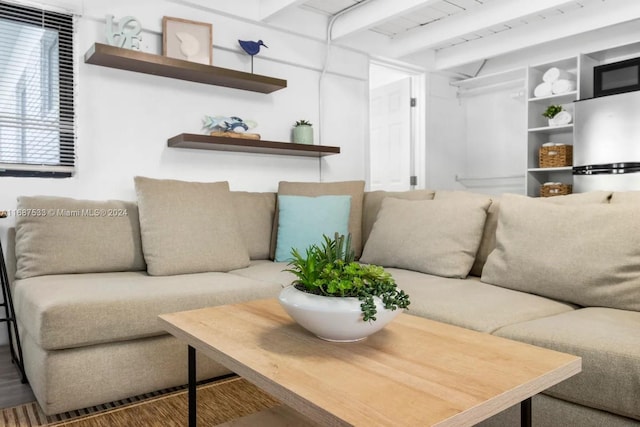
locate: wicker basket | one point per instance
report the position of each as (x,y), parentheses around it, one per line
(556,156)
(550,190)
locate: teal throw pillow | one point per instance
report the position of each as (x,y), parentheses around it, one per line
(303,220)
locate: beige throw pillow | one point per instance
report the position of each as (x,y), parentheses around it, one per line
(373,201)
(488,242)
(59,235)
(625,197)
(434,237)
(355,189)
(585,254)
(189,227)
(579,198)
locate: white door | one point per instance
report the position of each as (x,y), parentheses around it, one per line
(390,146)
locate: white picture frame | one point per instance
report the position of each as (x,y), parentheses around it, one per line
(187,40)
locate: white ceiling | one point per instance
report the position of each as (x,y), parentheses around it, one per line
(443,10)
(454,32)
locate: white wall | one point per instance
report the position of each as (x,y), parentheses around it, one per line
(495,128)
(124,118)
(445,134)
(475,138)
(380,75)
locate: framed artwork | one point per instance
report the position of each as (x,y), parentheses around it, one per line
(187,40)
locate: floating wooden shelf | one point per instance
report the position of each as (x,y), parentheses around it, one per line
(220,143)
(141,62)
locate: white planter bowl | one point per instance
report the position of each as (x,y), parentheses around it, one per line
(333,318)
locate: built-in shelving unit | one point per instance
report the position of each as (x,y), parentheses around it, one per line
(221,143)
(141,62)
(538,130)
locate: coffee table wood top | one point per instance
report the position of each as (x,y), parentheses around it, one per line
(414,372)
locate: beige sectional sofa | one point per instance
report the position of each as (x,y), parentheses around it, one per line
(88,288)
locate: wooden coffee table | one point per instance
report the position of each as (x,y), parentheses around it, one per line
(413,372)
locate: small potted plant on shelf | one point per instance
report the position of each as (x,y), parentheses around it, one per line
(551,112)
(303,132)
(335,297)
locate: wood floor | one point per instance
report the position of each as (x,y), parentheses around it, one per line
(12,391)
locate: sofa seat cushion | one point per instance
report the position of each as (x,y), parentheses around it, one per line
(608,340)
(470,303)
(65,311)
(267,271)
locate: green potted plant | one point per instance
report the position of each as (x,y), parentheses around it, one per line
(551,112)
(303,132)
(337,298)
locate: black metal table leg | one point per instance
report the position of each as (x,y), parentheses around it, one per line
(15,348)
(192,387)
(525,413)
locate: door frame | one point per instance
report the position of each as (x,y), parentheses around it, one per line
(418,118)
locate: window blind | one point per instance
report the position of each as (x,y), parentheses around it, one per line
(37,118)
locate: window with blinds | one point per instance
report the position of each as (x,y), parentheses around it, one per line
(37,129)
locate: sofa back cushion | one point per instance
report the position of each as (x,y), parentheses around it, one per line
(255,213)
(355,189)
(625,197)
(583,254)
(189,227)
(57,235)
(373,201)
(579,198)
(430,236)
(488,242)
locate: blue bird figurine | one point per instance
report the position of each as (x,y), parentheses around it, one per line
(252,48)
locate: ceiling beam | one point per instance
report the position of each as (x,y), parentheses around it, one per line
(486,16)
(373,13)
(268,8)
(589,18)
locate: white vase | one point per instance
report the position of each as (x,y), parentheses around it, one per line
(333,318)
